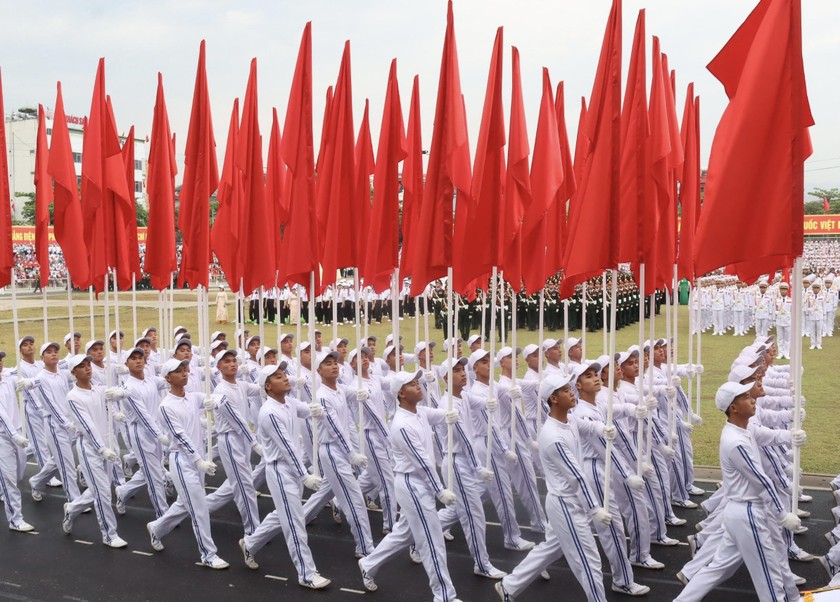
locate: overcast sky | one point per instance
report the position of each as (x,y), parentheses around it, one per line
(43,42)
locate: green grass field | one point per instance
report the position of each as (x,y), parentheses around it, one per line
(822,422)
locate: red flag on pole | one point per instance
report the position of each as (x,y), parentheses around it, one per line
(448,171)
(201,178)
(67,210)
(826,206)
(689,183)
(412,180)
(256,262)
(759,147)
(517,183)
(160,259)
(299,249)
(590,249)
(7,257)
(382,251)
(275,186)
(224,235)
(365,166)
(125,225)
(43,198)
(478,214)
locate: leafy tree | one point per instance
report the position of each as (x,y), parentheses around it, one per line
(817,207)
(27,212)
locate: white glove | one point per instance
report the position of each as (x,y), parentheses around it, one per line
(242,371)
(210,403)
(635,482)
(200,362)
(451,416)
(610,432)
(21,441)
(429,376)
(789,521)
(696,419)
(258,449)
(359,460)
(312,482)
(120,417)
(362,395)
(641,412)
(690,372)
(164,439)
(698,369)
(668,452)
(797,437)
(316,410)
(511,456)
(602,516)
(300,382)
(648,471)
(486,475)
(687,426)
(121,370)
(115,393)
(446,497)
(676,381)
(71,427)
(670,393)
(109,454)
(534,444)
(24,384)
(651,403)
(515,392)
(492,405)
(206,467)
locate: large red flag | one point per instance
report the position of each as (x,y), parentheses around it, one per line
(593,248)
(689,183)
(365,166)
(635,206)
(125,216)
(256,261)
(67,210)
(160,259)
(382,251)
(201,178)
(448,171)
(412,180)
(759,148)
(43,198)
(478,216)
(7,257)
(299,249)
(224,235)
(275,186)
(518,182)
(546,180)
(336,188)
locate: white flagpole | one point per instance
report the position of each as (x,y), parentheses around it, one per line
(540,356)
(334,311)
(513,408)
(416,301)
(134,306)
(450,354)
(261,318)
(366,296)
(204,343)
(44,317)
(278,317)
(395,318)
(565,331)
(651,334)
(672,422)
(502,299)
(483,310)
(582,320)
(358,295)
(611,386)
(108,360)
(315,462)
(604,309)
(92,320)
(699,344)
(796,373)
(493,283)
(690,345)
(16,327)
(70,309)
(117,315)
(640,425)
(426,324)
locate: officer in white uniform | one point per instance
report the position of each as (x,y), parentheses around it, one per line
(12,455)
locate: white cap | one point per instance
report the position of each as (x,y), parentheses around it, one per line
(142,340)
(25,338)
(748,358)
(549,343)
(320,357)
(473,338)
(506,351)
(475,356)
(178,329)
(146,332)
(264,350)
(113,334)
(216,334)
(388,351)
(75,360)
(216,344)
(421,346)
(303,346)
(452,342)
(818,282)
(623,356)
(71,334)
(443,369)
(134,350)
(90,344)
(633,349)
(580,369)
(336,342)
(552,382)
(390,339)
(249,340)
(240,332)
(571,342)
(351,357)
(727,393)
(47,345)
(182,341)
(284,336)
(741,371)
(171,365)
(224,352)
(266,372)
(402,378)
(529,349)
(182,335)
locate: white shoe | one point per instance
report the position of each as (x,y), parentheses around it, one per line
(317,582)
(832,538)
(805,498)
(665,541)
(520,545)
(649,563)
(53,482)
(414,555)
(250,562)
(631,589)
(545,576)
(683,579)
(215,563)
(801,556)
(336,513)
(367,580)
(802,513)
(491,573)
(694,490)
(67,521)
(21,527)
(157,544)
(119,504)
(371,505)
(688,504)
(692,545)
(503,595)
(801,529)
(37,495)
(117,542)
(829,566)
(675,521)
(447,535)
(797,580)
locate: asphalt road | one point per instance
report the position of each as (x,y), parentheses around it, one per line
(50,565)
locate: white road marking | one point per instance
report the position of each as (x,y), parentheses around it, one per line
(139,553)
(276,578)
(351,591)
(82,541)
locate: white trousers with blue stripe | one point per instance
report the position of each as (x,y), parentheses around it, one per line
(418,523)
(12,466)
(62,464)
(97,473)
(523,477)
(570,535)
(36,426)
(286,490)
(611,536)
(149,453)
(500,490)
(235,454)
(378,478)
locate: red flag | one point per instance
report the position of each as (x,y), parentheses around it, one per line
(337,182)
(160,259)
(275,186)
(201,178)
(477,246)
(365,166)
(43,198)
(256,261)
(518,182)
(580,140)
(826,206)
(636,210)
(759,147)
(689,183)
(412,180)
(125,215)
(382,252)
(7,257)
(299,249)
(224,235)
(591,249)
(67,210)
(448,171)
(546,180)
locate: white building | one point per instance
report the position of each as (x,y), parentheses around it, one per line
(21,137)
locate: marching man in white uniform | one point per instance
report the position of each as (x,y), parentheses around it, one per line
(12,454)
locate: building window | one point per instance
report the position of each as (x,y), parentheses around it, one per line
(32,152)
(138,165)
(78,180)
(49,131)
(138,187)
(77,157)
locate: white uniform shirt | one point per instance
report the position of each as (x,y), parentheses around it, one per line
(91,416)
(181,418)
(279,435)
(411,443)
(561,459)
